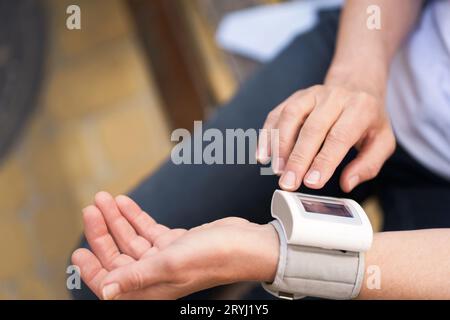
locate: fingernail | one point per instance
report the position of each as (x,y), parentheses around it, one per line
(313,177)
(278,166)
(262,156)
(111,291)
(352,182)
(288,180)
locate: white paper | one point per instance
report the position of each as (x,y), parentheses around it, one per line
(262,32)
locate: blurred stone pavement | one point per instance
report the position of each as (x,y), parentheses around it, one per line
(98,125)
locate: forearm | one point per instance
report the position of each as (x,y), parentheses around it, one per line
(362,53)
(409,264)
(412,265)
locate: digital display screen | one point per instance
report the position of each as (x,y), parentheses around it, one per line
(329,208)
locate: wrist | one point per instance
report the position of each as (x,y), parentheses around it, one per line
(257,256)
(270,251)
(367,78)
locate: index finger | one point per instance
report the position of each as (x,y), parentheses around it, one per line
(308,143)
(263,151)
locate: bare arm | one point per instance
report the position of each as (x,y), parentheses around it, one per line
(140,259)
(318,125)
(413,265)
(363,55)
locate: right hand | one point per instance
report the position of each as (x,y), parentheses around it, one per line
(318,126)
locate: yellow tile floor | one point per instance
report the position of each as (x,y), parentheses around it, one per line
(99,125)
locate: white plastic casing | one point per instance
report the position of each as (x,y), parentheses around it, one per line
(322,230)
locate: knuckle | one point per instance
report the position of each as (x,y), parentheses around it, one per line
(364,102)
(316,88)
(117,223)
(338,136)
(312,129)
(272,116)
(367,101)
(362,96)
(298,94)
(88,212)
(134,246)
(392,145)
(370,99)
(389,141)
(337,92)
(372,170)
(85,214)
(290,112)
(283,141)
(139,219)
(297,159)
(373,112)
(137,280)
(392,139)
(324,159)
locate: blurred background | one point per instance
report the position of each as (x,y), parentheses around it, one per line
(92,109)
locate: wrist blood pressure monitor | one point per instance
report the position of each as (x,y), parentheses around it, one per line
(322,245)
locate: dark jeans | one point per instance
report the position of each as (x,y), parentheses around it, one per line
(190,195)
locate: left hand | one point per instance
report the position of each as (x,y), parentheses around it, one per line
(133,257)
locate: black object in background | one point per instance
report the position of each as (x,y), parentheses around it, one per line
(22,35)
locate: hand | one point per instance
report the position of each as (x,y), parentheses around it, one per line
(133,257)
(318,126)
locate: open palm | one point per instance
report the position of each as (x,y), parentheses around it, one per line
(134,257)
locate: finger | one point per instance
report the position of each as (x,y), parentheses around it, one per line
(101,241)
(369,160)
(289,123)
(123,233)
(136,276)
(263,151)
(311,137)
(345,133)
(144,225)
(91,270)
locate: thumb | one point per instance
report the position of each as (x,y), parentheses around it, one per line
(369,160)
(134,276)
